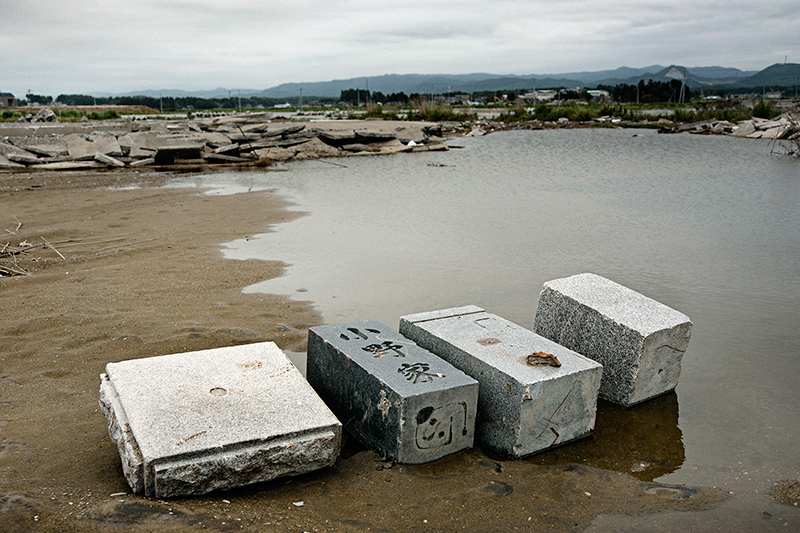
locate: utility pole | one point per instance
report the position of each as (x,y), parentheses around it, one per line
(301,100)
(239,91)
(161,102)
(683,87)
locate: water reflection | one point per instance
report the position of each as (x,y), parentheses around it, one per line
(644,441)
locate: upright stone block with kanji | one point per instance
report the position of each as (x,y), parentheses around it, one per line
(534,394)
(639,341)
(391,394)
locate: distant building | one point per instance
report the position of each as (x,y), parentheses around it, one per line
(598,93)
(540,95)
(7,100)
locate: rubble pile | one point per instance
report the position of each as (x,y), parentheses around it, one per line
(230,140)
(784,127)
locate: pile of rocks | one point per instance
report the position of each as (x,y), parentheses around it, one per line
(237,140)
(786,126)
(44,115)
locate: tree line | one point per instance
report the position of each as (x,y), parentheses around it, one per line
(170,103)
(650,92)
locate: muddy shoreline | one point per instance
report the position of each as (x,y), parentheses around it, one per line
(166,288)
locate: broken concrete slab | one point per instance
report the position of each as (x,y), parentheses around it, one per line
(256,128)
(6,163)
(187,424)
(744,129)
(139,144)
(212,138)
(107,145)
(534,394)
(393,396)
(227,149)
(39,152)
(639,341)
(283,132)
(26,160)
(108,160)
(222,158)
(143,162)
(370,137)
(79,148)
(6,148)
(337,140)
(70,165)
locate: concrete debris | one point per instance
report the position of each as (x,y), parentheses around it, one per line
(784,127)
(45,115)
(196,142)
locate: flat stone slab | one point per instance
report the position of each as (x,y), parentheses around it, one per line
(187,424)
(391,394)
(7,163)
(639,341)
(526,403)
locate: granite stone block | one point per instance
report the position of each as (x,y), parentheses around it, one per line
(391,394)
(527,402)
(639,341)
(187,424)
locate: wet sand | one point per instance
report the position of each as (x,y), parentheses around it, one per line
(144,276)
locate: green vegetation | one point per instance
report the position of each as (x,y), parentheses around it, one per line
(650,92)
(423,110)
(764,110)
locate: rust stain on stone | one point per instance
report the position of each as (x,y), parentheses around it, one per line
(542,359)
(192,437)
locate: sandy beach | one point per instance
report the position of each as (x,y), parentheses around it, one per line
(142,274)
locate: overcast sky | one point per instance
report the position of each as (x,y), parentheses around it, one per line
(57,47)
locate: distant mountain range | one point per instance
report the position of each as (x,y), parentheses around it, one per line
(778,75)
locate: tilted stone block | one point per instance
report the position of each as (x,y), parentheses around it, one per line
(639,341)
(527,403)
(187,424)
(391,394)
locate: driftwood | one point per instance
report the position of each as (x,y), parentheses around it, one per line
(11,255)
(48,245)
